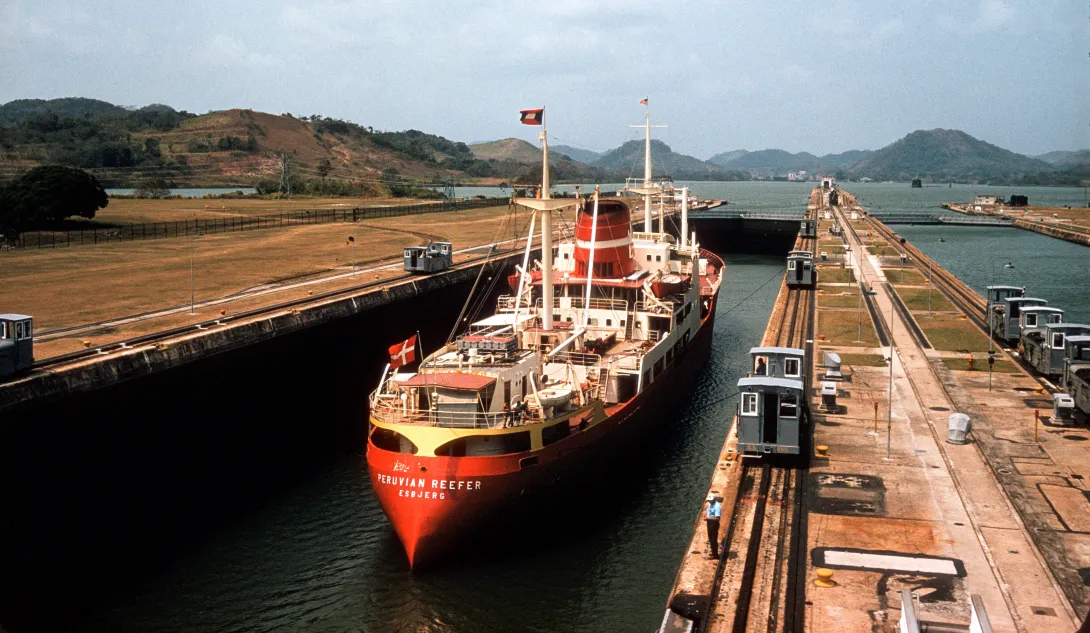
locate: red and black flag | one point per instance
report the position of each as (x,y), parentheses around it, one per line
(532,117)
(643,101)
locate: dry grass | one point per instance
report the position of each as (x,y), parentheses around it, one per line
(135,210)
(81,285)
(952,333)
(884,250)
(841,327)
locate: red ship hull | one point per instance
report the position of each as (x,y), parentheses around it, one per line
(433,503)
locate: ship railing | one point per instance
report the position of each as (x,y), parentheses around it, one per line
(578,358)
(577,303)
(389,410)
(654,308)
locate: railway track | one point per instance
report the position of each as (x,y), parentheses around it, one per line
(761,587)
(147,339)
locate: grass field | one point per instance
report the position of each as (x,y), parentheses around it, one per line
(134,210)
(952,333)
(79,285)
(909,277)
(841,327)
(883,250)
(916,300)
(836,275)
(863,360)
(838,296)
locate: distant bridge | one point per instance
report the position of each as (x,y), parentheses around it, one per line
(954,219)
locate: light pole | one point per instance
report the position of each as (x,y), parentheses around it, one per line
(352,244)
(192,277)
(889,410)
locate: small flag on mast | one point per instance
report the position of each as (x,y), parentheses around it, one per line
(643,101)
(403,353)
(532,117)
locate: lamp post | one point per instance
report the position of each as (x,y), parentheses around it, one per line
(352,244)
(929,287)
(889,410)
(192,276)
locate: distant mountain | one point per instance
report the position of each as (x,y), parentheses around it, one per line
(1065,159)
(944,155)
(22,109)
(845,159)
(582,155)
(778,161)
(627,160)
(725,157)
(514,149)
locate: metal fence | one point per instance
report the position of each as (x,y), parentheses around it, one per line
(206,226)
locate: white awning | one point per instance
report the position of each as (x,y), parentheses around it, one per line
(552,204)
(507,318)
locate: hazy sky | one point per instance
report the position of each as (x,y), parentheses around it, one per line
(816,76)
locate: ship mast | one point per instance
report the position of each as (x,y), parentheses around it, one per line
(546,235)
(648,188)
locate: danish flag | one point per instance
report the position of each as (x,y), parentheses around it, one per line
(403,353)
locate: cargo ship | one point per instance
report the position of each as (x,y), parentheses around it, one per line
(575,364)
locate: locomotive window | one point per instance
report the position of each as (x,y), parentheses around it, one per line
(1031,319)
(788,407)
(658,258)
(791,265)
(26,329)
(1057,339)
(19,331)
(791,367)
(749,404)
(3,329)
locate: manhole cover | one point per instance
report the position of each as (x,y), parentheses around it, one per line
(940,409)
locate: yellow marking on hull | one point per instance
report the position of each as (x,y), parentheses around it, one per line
(428,438)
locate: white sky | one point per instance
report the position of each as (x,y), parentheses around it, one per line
(753,74)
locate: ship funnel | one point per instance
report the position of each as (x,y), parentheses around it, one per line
(613,253)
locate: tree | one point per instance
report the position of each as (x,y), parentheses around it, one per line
(324,167)
(45,195)
(153,188)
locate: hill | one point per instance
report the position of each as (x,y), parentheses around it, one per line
(627,161)
(582,155)
(945,155)
(507,149)
(778,161)
(1065,159)
(22,109)
(124,147)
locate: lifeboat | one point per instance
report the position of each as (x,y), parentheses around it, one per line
(667,285)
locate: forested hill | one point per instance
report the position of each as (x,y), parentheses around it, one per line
(946,155)
(627,161)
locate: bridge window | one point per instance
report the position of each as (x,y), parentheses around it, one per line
(649,258)
(609,321)
(791,367)
(749,404)
(658,258)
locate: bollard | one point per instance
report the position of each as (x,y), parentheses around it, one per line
(223,312)
(822,450)
(824,578)
(86,343)
(1036,422)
